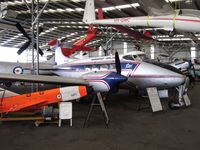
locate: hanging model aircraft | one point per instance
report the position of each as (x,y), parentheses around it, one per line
(136,35)
(182,20)
(69,48)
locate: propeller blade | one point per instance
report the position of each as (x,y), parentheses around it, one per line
(117,63)
(62,40)
(48,50)
(24,47)
(194,71)
(21,29)
(39,50)
(41,30)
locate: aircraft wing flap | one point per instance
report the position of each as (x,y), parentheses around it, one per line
(42,79)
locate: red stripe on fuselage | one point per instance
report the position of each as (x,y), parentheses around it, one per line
(156,76)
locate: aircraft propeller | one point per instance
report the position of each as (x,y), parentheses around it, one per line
(193,68)
(117,63)
(27,44)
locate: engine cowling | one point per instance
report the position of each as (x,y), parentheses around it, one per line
(104,81)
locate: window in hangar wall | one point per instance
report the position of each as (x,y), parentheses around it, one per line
(125,47)
(152,51)
(9,54)
(193,53)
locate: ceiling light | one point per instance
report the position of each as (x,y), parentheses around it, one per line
(173,1)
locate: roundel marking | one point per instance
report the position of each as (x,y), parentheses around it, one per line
(59,96)
(18,70)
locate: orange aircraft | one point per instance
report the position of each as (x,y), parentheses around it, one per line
(78,45)
(37,100)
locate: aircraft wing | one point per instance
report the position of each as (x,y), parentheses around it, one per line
(42,79)
(86,48)
(134,34)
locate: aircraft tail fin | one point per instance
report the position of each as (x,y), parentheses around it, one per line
(60,58)
(89,13)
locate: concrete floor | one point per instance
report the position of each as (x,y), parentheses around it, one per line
(129,129)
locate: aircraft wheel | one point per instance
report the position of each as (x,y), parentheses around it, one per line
(171,105)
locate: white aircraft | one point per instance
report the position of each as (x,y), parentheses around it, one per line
(100,72)
(24,68)
(183,20)
(105,74)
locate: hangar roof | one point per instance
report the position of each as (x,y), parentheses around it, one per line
(63,18)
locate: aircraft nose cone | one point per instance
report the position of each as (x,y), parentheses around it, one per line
(158,75)
(175,79)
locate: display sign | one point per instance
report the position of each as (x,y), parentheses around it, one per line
(154,99)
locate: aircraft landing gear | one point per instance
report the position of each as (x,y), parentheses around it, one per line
(183,99)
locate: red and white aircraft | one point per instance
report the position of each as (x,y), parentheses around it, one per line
(79,45)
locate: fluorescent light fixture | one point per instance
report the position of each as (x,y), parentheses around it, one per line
(60,10)
(69,9)
(173,1)
(175,39)
(120,7)
(17,2)
(81,9)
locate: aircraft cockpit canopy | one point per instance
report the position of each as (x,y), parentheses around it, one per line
(139,57)
(189,12)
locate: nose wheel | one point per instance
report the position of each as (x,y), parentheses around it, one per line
(183,99)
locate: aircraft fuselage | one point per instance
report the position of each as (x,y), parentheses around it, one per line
(139,73)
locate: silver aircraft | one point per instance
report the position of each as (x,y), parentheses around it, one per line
(105,74)
(139,71)
(26,68)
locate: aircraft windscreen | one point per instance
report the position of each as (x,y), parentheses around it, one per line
(189,12)
(129,57)
(166,66)
(139,57)
(143,57)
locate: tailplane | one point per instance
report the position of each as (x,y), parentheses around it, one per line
(89,13)
(60,52)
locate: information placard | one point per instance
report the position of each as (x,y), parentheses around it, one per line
(154,99)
